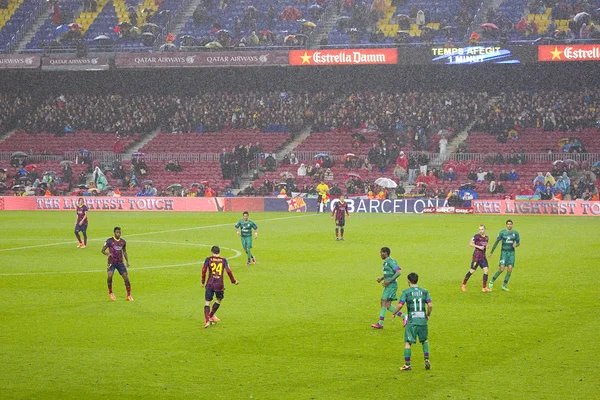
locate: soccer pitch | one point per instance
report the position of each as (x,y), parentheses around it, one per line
(298,324)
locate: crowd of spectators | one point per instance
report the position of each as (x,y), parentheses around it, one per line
(123,115)
(550,110)
(251,26)
(393,111)
(582,16)
(275,110)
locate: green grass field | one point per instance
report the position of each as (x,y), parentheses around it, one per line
(298,325)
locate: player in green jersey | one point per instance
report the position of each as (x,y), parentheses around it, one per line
(415,298)
(244,229)
(391,272)
(510,241)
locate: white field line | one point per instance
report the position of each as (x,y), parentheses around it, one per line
(145,233)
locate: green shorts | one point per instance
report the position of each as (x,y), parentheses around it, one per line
(412,332)
(247,242)
(507,258)
(389,292)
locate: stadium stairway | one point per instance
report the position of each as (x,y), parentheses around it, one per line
(35,26)
(6,135)
(135,147)
(328,20)
(181,19)
(247,179)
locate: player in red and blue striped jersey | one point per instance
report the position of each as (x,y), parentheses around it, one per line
(81,223)
(479,242)
(214,265)
(340,211)
(116,250)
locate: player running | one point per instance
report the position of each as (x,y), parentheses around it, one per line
(215,287)
(391,272)
(340,211)
(479,242)
(117,251)
(244,229)
(415,298)
(510,241)
(81,223)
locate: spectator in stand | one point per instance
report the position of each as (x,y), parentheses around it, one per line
(560,185)
(450,175)
(549,179)
(335,190)
(293,159)
(521,191)
(431,179)
(443,147)
(538,179)
(513,176)
(472,175)
(173,166)
(82,179)
(566,182)
(328,175)
(423,161)
(366,165)
(401,165)
(301,170)
(422,178)
(545,192)
(481,175)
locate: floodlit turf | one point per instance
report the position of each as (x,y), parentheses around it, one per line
(298,325)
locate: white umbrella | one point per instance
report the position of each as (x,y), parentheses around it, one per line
(386,183)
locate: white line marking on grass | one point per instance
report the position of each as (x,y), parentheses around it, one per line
(237,254)
(146,233)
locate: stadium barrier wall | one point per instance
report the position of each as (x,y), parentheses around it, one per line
(537,207)
(214,204)
(258,204)
(155,204)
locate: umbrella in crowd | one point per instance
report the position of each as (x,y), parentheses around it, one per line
(148,183)
(353,175)
(52,173)
(19,154)
(75,26)
(18,187)
(386,183)
(321,155)
(314,6)
(32,167)
(61,29)
(149,27)
(309,24)
(581,17)
(213,45)
(168,47)
(102,38)
(138,154)
(2,185)
(195,185)
(175,187)
(82,186)
(490,26)
(65,162)
(85,151)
